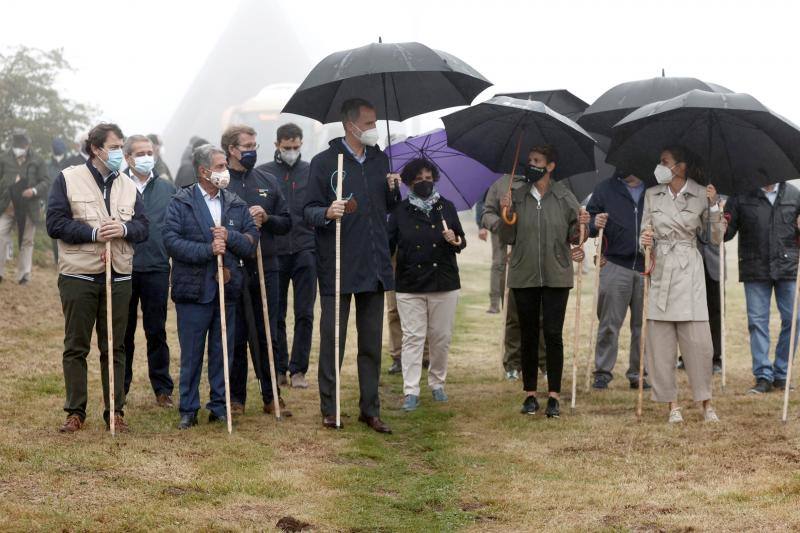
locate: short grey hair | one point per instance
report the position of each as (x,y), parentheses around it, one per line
(133,139)
(203,154)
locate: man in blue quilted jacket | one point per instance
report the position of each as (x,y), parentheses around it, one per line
(204,221)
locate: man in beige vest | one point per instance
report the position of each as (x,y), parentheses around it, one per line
(88,206)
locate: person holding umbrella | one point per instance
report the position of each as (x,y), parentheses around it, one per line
(675,211)
(426,233)
(548,219)
(370,192)
(767,222)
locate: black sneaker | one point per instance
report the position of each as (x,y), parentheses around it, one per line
(552,411)
(530,406)
(635,385)
(600,383)
(396,368)
(762,386)
(717,368)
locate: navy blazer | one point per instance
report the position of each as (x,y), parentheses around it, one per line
(187,236)
(366,264)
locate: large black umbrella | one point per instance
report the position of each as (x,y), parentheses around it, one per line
(617,102)
(741,143)
(559,100)
(401,80)
(494,131)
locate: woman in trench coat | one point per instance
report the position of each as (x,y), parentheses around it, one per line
(675,211)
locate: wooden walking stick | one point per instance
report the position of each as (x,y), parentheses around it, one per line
(722,357)
(224,327)
(598,255)
(276,401)
(458,237)
(645,298)
(577,329)
(337,292)
(110,341)
(792,345)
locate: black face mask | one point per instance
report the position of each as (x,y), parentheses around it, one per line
(423,189)
(534,174)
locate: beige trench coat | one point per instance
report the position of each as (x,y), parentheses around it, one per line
(677,286)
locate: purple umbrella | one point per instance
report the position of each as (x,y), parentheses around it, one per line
(462,180)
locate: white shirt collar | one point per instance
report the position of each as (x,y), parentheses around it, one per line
(683,190)
(139,185)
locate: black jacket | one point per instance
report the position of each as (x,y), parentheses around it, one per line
(293,182)
(257,187)
(621,235)
(767,234)
(365,260)
(425,261)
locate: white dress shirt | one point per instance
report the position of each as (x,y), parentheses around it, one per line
(214,205)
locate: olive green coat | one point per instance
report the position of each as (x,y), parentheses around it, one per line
(541,238)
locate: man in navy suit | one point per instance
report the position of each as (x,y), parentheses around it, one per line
(204,221)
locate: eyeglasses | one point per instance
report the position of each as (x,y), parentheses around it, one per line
(248,147)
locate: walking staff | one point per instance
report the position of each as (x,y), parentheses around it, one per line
(792,343)
(338,290)
(224,328)
(646,294)
(577,329)
(270,353)
(598,258)
(110,337)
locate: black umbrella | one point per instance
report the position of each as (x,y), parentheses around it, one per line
(617,102)
(494,131)
(401,79)
(559,100)
(583,184)
(740,142)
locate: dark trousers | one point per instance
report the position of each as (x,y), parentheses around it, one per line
(151,289)
(195,322)
(369,324)
(301,270)
(84,305)
(243,333)
(552,304)
(714,316)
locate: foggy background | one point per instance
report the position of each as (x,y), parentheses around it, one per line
(183,68)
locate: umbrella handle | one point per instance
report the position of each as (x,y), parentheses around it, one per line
(458,237)
(509,220)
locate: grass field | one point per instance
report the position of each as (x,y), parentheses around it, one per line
(473,464)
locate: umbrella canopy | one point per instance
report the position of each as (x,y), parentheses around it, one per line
(741,143)
(462,180)
(401,80)
(559,100)
(617,102)
(583,184)
(491,131)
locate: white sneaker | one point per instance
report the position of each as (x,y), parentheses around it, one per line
(711,415)
(675,416)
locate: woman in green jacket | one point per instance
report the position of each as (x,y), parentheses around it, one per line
(540,271)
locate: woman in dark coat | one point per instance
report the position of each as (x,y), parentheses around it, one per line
(426,232)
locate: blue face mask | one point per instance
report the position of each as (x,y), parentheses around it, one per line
(114,160)
(248,159)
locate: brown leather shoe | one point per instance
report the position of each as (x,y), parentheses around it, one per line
(269,408)
(237,408)
(329,422)
(375,423)
(164,400)
(119,425)
(72,424)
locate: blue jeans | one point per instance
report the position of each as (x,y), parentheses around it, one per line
(195,321)
(758,295)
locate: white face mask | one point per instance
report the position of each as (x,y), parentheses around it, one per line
(220,180)
(663,173)
(144,164)
(19,152)
(290,157)
(369,137)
